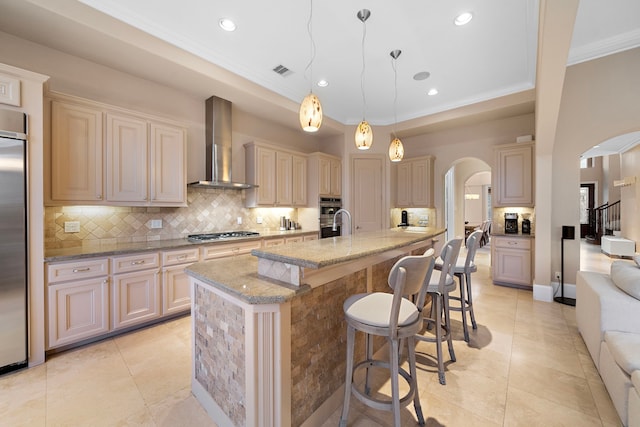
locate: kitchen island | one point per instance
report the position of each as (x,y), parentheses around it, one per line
(268,328)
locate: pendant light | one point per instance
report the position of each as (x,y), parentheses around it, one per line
(396,150)
(364,134)
(310,108)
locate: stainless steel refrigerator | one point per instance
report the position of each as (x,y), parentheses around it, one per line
(13,241)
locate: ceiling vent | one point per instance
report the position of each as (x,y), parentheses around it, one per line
(282,70)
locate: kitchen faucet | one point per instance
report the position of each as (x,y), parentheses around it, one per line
(335,226)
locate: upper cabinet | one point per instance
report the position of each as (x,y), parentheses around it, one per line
(281,176)
(513,175)
(103,155)
(325,176)
(76,153)
(414,182)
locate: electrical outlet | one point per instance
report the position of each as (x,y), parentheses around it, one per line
(239,220)
(557,275)
(72,226)
(156,223)
(259,220)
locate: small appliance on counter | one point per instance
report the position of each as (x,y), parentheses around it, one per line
(404,219)
(511,223)
(526,224)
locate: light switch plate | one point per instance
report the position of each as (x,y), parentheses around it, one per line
(156,223)
(72,226)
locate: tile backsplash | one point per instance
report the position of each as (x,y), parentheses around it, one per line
(209,210)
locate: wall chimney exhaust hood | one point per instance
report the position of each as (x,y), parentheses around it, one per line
(218,147)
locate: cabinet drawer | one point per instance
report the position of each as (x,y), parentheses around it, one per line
(229,249)
(511,243)
(181,256)
(270,243)
(60,272)
(125,264)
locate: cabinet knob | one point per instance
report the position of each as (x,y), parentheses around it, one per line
(99,196)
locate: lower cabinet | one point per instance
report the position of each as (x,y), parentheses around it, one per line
(511,260)
(77,301)
(78,310)
(176,294)
(136,298)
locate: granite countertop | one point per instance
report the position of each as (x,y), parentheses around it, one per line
(112,249)
(238,276)
(324,252)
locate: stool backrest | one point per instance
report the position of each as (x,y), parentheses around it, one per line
(407,277)
(449,256)
(473,243)
(416,268)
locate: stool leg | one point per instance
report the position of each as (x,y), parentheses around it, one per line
(411,350)
(394,363)
(463,307)
(437,298)
(447,322)
(351,335)
(470,301)
(369,355)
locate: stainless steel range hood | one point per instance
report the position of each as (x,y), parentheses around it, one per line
(218,147)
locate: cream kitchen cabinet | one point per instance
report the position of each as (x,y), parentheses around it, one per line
(279,174)
(279,241)
(75,153)
(146,162)
(77,301)
(513,175)
(511,260)
(414,182)
(325,176)
(101,154)
(176,295)
(136,289)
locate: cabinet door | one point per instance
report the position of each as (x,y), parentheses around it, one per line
(168,165)
(266,175)
(324,170)
(135,298)
(403,184)
(336,177)
(77,310)
(127,159)
(76,153)
(176,294)
(271,243)
(512,266)
(514,177)
(299,180)
(421,182)
(284,179)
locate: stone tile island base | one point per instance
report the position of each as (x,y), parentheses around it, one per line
(279,359)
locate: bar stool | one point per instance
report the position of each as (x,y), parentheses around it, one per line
(399,320)
(462,270)
(439,287)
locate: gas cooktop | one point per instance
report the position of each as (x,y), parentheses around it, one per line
(207,237)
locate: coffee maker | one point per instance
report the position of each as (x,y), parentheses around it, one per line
(511,223)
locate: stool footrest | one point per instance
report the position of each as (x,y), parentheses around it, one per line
(380,403)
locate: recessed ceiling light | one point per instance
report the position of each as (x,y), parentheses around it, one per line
(323,83)
(432,91)
(227,24)
(463,19)
(422,75)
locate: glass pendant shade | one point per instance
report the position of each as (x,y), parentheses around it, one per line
(364,136)
(396,150)
(310,113)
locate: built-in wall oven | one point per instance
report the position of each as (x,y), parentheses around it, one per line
(328,207)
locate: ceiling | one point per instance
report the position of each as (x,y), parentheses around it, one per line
(492,56)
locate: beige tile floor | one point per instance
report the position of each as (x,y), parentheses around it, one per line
(525,365)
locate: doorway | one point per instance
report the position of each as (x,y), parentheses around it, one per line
(587,203)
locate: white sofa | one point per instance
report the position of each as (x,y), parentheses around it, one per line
(608,317)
